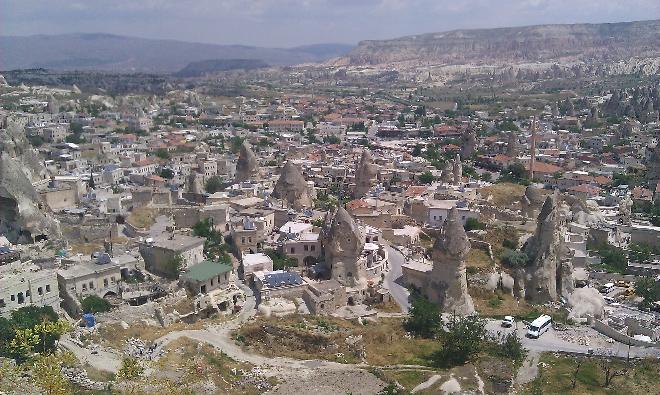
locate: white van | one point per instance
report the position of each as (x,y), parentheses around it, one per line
(539,326)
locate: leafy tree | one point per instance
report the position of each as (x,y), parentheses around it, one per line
(474,224)
(511,347)
(95,304)
(215,184)
(74,138)
(642,253)
(36,141)
(235,144)
(426,178)
(516,173)
(280,260)
(76,127)
(130,369)
(48,373)
(167,173)
(29,316)
(424,319)
(331,140)
(613,258)
(462,340)
(417,150)
(175,265)
(507,125)
(649,290)
(162,153)
(486,176)
(513,258)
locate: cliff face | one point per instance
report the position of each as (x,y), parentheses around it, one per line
(607,41)
(23,215)
(342,245)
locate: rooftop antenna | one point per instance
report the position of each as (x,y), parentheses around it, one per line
(532,160)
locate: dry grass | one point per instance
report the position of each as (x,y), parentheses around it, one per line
(504,194)
(409,379)
(556,373)
(89,248)
(194,363)
(115,336)
(385,341)
(490,304)
(98,375)
(478,259)
(388,307)
(142,217)
(496,236)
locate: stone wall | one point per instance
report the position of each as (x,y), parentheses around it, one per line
(608,331)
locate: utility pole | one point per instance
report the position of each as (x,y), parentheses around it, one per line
(532,160)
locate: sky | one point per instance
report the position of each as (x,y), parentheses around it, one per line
(287,23)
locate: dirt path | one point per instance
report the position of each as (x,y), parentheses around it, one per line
(529,369)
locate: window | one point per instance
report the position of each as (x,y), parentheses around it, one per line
(243,240)
(105,282)
(27,293)
(84,287)
(112,279)
(2,303)
(313,248)
(306,247)
(21,299)
(91,285)
(13,298)
(47,287)
(211,282)
(293,250)
(40,291)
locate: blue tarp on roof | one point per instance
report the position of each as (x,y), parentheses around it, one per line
(275,280)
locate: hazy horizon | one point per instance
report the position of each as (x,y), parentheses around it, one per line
(290,23)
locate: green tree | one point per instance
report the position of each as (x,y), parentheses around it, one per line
(513,258)
(280,260)
(167,173)
(474,224)
(331,140)
(649,290)
(162,153)
(463,339)
(95,304)
(486,176)
(215,184)
(424,319)
(175,265)
(130,369)
(426,178)
(74,138)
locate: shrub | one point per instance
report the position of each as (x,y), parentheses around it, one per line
(424,319)
(510,244)
(462,340)
(515,258)
(95,304)
(474,224)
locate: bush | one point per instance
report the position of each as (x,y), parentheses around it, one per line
(510,244)
(462,340)
(424,319)
(95,304)
(280,261)
(511,347)
(513,258)
(474,224)
(426,178)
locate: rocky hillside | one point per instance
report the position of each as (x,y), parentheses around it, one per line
(543,43)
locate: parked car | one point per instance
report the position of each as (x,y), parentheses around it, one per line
(507,321)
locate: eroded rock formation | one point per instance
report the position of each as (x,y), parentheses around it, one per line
(469,143)
(292,188)
(195,183)
(23,215)
(457,170)
(343,243)
(447,284)
(531,202)
(548,275)
(365,174)
(247,165)
(512,145)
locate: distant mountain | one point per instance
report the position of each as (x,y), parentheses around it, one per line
(604,41)
(99,51)
(197,69)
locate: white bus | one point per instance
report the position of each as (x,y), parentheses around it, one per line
(539,326)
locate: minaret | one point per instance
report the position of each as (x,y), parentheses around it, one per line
(532,160)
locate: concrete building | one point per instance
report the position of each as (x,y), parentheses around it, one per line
(24,284)
(160,253)
(324,297)
(207,276)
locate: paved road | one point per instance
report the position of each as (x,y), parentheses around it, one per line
(394,279)
(549,341)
